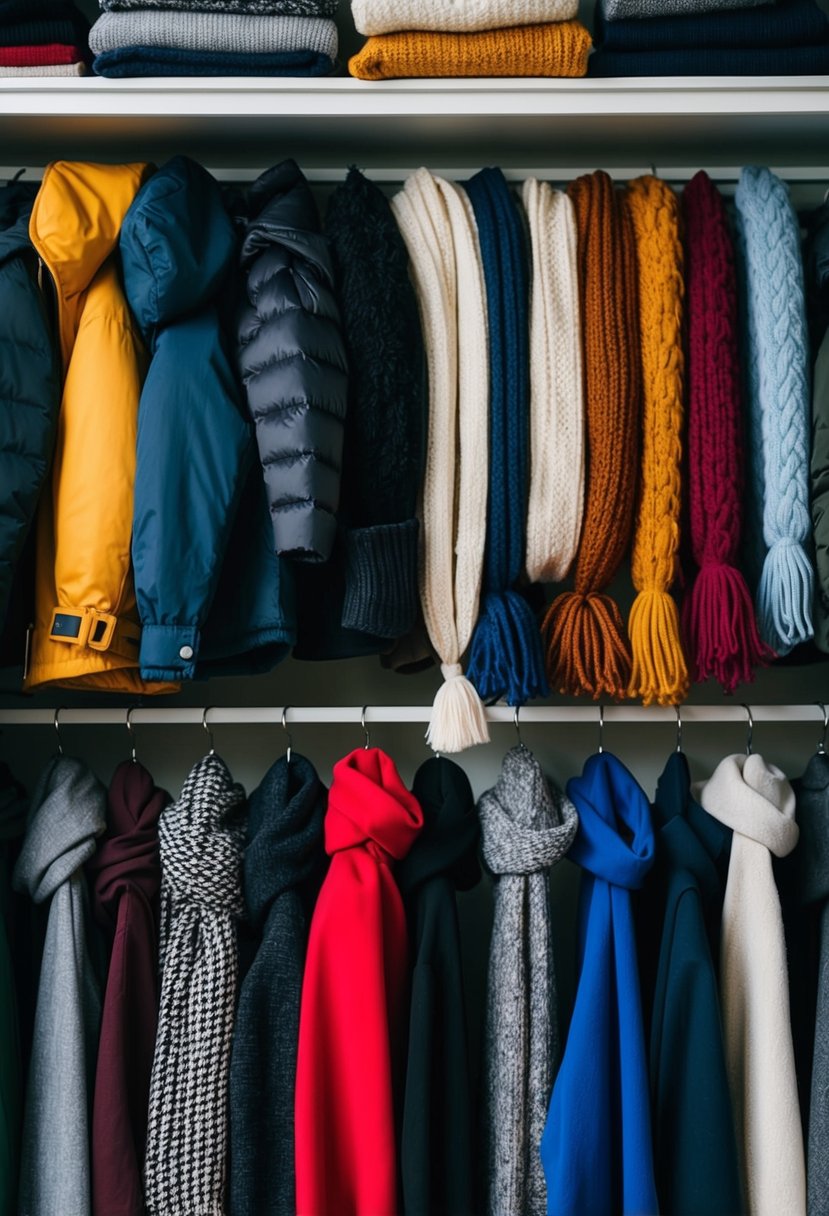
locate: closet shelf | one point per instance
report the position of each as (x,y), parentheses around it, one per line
(243,122)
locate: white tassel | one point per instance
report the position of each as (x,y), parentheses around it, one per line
(458,718)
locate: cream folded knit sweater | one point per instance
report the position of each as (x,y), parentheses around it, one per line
(456,16)
(230,32)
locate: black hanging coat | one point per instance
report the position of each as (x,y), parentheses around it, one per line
(282,868)
(695,1147)
(436,1158)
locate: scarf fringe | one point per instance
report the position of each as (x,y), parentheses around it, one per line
(506,659)
(659,673)
(586,647)
(784,597)
(458,719)
(720,628)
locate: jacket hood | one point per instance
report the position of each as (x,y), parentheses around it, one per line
(448,843)
(77,216)
(281,211)
(16,201)
(68,813)
(177,244)
(369,804)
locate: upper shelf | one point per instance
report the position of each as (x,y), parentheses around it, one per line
(242,122)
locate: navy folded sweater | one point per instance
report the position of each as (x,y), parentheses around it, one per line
(70,29)
(712,61)
(788,23)
(171,61)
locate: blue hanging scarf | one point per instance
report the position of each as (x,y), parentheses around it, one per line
(505,658)
(596,1149)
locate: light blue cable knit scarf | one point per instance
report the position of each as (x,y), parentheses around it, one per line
(776,361)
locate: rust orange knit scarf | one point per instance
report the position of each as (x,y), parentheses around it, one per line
(659,670)
(587,650)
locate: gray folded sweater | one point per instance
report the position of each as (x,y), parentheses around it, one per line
(236,33)
(615,10)
(261,8)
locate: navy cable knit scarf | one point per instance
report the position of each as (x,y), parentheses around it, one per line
(505,658)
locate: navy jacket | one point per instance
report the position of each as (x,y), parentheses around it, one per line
(210,592)
(29,383)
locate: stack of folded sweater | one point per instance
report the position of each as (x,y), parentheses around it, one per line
(42,38)
(709,38)
(469,38)
(215,38)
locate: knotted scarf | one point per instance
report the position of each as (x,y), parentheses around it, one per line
(526,828)
(283,861)
(659,672)
(439,230)
(353,1013)
(505,658)
(201,838)
(718,614)
(556,497)
(126,875)
(756,801)
(777,356)
(585,638)
(596,1148)
(67,813)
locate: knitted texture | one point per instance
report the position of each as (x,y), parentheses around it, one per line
(777,354)
(614,9)
(130,61)
(788,23)
(505,658)
(436,222)
(224,32)
(70,29)
(587,649)
(658,672)
(201,838)
(713,61)
(556,498)
(459,16)
(525,828)
(718,615)
(556,49)
(39,55)
(57,69)
(262,8)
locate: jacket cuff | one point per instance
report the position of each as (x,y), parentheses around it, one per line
(381,579)
(169,652)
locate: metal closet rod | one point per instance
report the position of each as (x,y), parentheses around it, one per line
(563,715)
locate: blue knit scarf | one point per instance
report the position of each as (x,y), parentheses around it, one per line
(596,1148)
(505,658)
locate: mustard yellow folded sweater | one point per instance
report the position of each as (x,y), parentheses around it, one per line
(559,48)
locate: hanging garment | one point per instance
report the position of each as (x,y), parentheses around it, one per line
(437,224)
(292,360)
(819,493)
(354,993)
(195,442)
(505,653)
(437,1137)
(68,812)
(659,673)
(525,828)
(678,922)
(30,391)
(126,875)
(201,837)
(756,801)
(776,354)
(13,808)
(282,867)
(586,641)
(596,1149)
(718,613)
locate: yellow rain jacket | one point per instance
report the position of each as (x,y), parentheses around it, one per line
(86,629)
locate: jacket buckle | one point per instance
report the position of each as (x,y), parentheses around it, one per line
(83,627)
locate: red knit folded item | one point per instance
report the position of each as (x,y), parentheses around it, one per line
(40,56)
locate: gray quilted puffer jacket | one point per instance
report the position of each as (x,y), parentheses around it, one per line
(292,360)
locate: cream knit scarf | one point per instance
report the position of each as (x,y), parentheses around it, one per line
(757,802)
(436,222)
(460,16)
(556,499)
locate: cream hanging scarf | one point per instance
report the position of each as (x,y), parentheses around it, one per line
(436,222)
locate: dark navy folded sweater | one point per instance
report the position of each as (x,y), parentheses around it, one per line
(171,61)
(713,61)
(788,23)
(70,29)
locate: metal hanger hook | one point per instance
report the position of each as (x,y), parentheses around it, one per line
(366,731)
(56,724)
(516,714)
(212,751)
(678,728)
(287,732)
(821,747)
(601,728)
(750,736)
(131,732)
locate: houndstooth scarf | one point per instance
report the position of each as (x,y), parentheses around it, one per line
(201,839)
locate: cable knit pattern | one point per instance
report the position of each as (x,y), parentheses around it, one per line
(718,614)
(525,828)
(556,498)
(437,225)
(231,33)
(777,354)
(659,672)
(587,647)
(460,16)
(201,837)
(557,49)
